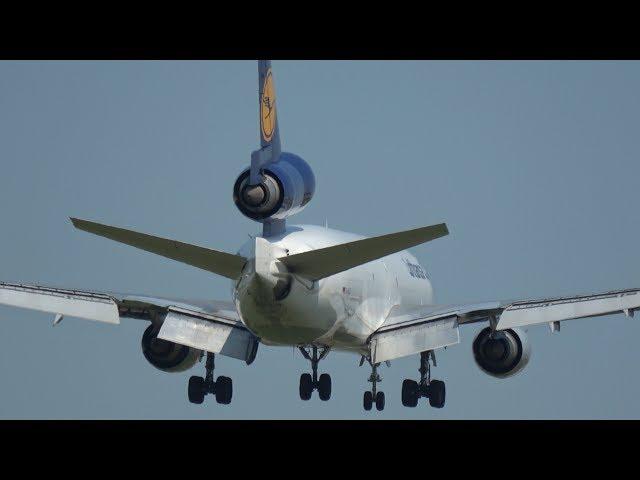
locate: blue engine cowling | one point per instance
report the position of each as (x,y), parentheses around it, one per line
(286,188)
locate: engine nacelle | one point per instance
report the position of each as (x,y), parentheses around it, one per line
(167,356)
(287,186)
(501,353)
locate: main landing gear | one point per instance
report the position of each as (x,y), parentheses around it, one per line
(222,388)
(434,390)
(373,396)
(309,383)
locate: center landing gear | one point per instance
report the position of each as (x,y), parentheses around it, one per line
(434,390)
(373,396)
(222,388)
(310,383)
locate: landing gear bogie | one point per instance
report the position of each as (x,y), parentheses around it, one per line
(310,382)
(199,387)
(434,390)
(373,396)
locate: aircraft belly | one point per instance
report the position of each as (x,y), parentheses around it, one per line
(301,318)
(361,304)
(330,314)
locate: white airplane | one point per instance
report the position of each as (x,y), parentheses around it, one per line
(313,288)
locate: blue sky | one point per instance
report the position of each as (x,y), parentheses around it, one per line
(533,165)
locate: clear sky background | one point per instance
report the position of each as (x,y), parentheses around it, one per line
(533,165)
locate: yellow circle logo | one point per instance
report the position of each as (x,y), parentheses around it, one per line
(268,108)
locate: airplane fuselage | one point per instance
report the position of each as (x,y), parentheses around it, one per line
(340,311)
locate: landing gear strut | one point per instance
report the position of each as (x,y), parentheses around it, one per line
(373,396)
(222,388)
(309,383)
(434,390)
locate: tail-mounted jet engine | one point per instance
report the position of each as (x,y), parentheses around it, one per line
(501,353)
(285,189)
(167,356)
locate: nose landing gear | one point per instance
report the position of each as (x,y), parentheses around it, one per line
(434,390)
(222,388)
(309,383)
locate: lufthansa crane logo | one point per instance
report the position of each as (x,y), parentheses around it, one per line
(268,108)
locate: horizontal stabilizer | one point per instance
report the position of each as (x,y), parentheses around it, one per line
(324,262)
(225,264)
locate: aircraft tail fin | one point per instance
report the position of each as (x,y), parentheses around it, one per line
(221,263)
(324,262)
(269,132)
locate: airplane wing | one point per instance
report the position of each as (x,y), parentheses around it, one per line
(410,331)
(211,326)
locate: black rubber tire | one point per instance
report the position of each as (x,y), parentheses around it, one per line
(367,400)
(380,401)
(306,386)
(324,387)
(437,393)
(196,390)
(224,390)
(409,393)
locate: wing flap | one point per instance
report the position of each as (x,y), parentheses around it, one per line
(403,340)
(213,335)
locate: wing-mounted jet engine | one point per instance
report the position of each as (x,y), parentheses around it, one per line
(501,353)
(167,356)
(277,184)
